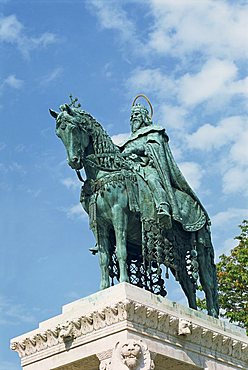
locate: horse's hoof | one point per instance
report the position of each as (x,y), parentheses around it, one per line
(104,286)
(125,280)
(213,313)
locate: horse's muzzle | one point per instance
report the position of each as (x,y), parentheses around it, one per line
(75,163)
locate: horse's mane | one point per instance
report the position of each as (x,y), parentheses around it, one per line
(102,141)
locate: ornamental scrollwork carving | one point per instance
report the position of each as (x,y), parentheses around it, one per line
(111,315)
(152,318)
(168,325)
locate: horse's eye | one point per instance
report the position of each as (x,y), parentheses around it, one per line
(63,126)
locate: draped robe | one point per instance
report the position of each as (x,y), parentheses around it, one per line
(151,143)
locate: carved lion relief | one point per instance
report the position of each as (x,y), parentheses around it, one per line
(131,354)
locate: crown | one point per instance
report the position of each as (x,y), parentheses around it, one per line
(141,108)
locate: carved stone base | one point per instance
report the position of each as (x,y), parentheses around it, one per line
(127,328)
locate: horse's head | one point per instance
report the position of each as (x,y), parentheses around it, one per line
(69,128)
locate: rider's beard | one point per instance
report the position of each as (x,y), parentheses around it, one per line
(136,124)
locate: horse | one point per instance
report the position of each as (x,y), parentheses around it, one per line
(107,195)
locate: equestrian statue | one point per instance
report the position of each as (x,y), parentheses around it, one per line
(145,217)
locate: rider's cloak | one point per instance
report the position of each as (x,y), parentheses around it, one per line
(186,208)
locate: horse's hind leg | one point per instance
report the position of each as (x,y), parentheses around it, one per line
(181,244)
(120,221)
(207,272)
(104,256)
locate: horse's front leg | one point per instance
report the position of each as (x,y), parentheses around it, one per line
(187,286)
(104,256)
(120,220)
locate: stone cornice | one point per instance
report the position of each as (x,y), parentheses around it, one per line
(167,325)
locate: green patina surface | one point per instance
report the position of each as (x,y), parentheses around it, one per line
(145,217)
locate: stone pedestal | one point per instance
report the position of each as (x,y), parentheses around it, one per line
(125,327)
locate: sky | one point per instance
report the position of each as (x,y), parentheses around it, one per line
(188,56)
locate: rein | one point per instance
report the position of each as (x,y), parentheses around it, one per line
(80,176)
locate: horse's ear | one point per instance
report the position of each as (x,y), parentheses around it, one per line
(53,113)
(69,110)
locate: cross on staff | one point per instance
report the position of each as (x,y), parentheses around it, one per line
(73,102)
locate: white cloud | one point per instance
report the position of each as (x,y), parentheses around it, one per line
(172,116)
(213,79)
(108,70)
(228,245)
(176,151)
(11,313)
(12,31)
(212,27)
(76,212)
(52,76)
(20,148)
(44,40)
(181,27)
(216,83)
(150,80)
(225,228)
(235,180)
(209,137)
(154,83)
(120,138)
(223,218)
(12,167)
(239,151)
(228,141)
(201,32)
(71,183)
(12,81)
(208,38)
(193,173)
(111,15)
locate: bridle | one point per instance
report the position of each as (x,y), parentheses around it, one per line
(80,176)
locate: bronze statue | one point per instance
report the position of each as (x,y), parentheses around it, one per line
(145,217)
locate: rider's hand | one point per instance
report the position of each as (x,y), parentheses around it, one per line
(133,156)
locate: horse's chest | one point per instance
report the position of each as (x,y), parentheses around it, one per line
(106,197)
(110,196)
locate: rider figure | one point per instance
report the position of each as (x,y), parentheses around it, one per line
(137,148)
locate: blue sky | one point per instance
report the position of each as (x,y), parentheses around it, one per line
(188,56)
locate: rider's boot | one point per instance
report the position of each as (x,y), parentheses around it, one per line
(164,216)
(94,250)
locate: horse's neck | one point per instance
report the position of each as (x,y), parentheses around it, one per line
(100,143)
